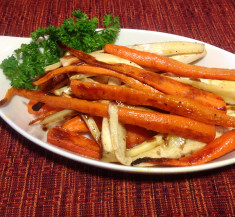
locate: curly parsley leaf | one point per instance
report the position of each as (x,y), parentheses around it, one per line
(27,63)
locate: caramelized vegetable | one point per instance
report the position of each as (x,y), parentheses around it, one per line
(74,142)
(167,64)
(164,123)
(177,105)
(215,149)
(162,83)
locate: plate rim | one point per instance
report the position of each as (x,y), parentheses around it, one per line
(112,166)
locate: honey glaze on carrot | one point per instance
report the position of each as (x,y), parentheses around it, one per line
(164,84)
(156,61)
(164,123)
(74,142)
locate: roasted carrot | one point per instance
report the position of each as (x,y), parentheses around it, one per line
(167,64)
(215,149)
(55,83)
(42,110)
(74,142)
(162,83)
(176,105)
(167,123)
(136,135)
(170,87)
(163,123)
(76,124)
(86,69)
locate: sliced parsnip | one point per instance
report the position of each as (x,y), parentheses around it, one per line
(52,67)
(223,83)
(92,126)
(67,60)
(105,132)
(109,58)
(141,108)
(57,117)
(145,146)
(189,58)
(171,147)
(114,81)
(118,135)
(170,47)
(80,76)
(106,137)
(65,89)
(225,91)
(89,80)
(109,157)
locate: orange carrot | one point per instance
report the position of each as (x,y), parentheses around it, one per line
(167,64)
(76,124)
(136,135)
(163,123)
(176,105)
(215,149)
(167,123)
(169,86)
(86,69)
(42,110)
(162,83)
(55,83)
(74,142)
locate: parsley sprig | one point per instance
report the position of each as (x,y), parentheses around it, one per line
(79,32)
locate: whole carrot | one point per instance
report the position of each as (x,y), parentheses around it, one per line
(163,123)
(162,83)
(176,105)
(215,149)
(74,142)
(167,64)
(87,69)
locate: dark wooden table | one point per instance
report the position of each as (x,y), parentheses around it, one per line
(36,182)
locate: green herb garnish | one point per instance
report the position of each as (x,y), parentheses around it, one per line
(79,32)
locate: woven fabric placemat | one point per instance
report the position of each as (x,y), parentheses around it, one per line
(36,182)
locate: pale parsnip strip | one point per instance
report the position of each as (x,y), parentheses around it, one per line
(226,92)
(80,76)
(52,67)
(145,146)
(106,136)
(223,83)
(60,91)
(109,157)
(111,59)
(57,117)
(99,78)
(105,132)
(170,47)
(89,80)
(189,58)
(118,135)
(69,60)
(92,126)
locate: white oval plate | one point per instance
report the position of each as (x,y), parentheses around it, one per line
(16,115)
